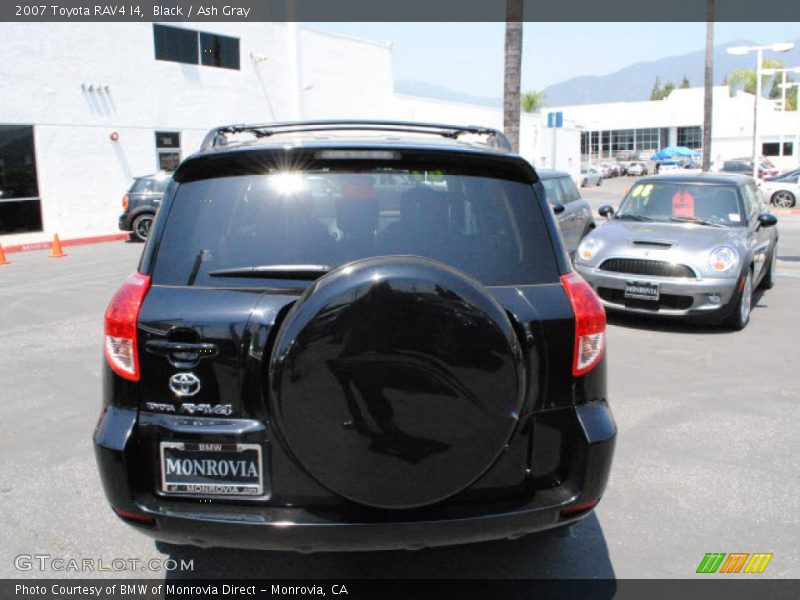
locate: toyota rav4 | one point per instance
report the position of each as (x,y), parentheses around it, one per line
(349,336)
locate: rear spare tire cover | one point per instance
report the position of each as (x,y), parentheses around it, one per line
(396,381)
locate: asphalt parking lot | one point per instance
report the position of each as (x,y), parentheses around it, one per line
(707,458)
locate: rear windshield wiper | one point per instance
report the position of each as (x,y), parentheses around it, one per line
(634,217)
(309,272)
(695,220)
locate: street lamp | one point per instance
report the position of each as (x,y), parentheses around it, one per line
(759,50)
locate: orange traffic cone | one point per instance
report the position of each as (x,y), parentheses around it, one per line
(3,260)
(56,251)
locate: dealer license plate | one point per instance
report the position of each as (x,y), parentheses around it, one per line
(637,290)
(211,469)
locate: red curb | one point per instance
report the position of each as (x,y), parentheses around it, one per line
(95,239)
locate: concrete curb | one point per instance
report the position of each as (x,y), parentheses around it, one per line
(95,239)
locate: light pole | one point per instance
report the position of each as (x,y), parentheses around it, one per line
(759,50)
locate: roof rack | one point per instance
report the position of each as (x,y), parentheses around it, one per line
(217,136)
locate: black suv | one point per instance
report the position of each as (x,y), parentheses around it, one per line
(140,204)
(353,335)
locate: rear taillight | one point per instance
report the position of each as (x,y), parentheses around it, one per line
(590,323)
(134,517)
(120,326)
(125,202)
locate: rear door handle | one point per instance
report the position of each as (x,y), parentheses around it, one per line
(182,355)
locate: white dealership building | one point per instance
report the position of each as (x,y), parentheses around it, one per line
(620,128)
(84,108)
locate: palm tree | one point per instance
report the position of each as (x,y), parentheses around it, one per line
(708,85)
(532,101)
(513,65)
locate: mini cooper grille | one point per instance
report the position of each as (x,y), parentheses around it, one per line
(637,266)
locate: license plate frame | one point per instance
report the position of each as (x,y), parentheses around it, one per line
(642,290)
(178,484)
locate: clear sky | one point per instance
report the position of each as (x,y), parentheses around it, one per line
(468,57)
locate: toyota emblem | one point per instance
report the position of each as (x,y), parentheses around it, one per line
(184,384)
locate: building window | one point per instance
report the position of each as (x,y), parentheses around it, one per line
(690,137)
(168,150)
(191,47)
(20,206)
(219,51)
(774,149)
(647,139)
(175,44)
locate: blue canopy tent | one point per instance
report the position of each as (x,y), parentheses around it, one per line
(672,152)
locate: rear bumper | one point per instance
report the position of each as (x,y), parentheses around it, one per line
(125,222)
(683,297)
(591,434)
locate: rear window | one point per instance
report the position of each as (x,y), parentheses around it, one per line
(492,229)
(149,185)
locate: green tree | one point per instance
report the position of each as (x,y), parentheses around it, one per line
(656,93)
(685,83)
(746,78)
(532,101)
(659,93)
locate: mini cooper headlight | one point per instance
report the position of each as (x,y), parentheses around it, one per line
(722,259)
(588,248)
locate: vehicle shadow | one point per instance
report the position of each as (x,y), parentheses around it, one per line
(675,325)
(580,552)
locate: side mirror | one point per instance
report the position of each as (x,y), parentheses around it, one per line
(558,208)
(606,211)
(767,220)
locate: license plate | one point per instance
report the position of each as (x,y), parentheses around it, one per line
(211,469)
(641,291)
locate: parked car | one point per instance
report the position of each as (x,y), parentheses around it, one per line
(392,366)
(621,168)
(792,175)
(609,169)
(637,169)
(141,202)
(744,166)
(684,245)
(782,190)
(573,213)
(591,176)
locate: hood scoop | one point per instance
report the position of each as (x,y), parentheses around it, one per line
(657,245)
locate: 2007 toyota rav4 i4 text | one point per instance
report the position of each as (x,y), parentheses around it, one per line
(353,335)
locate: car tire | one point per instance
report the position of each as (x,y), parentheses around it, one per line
(742,305)
(584,183)
(141,226)
(768,281)
(599,182)
(783,199)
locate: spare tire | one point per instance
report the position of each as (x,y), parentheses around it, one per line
(396,381)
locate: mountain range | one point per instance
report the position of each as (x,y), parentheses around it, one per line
(632,83)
